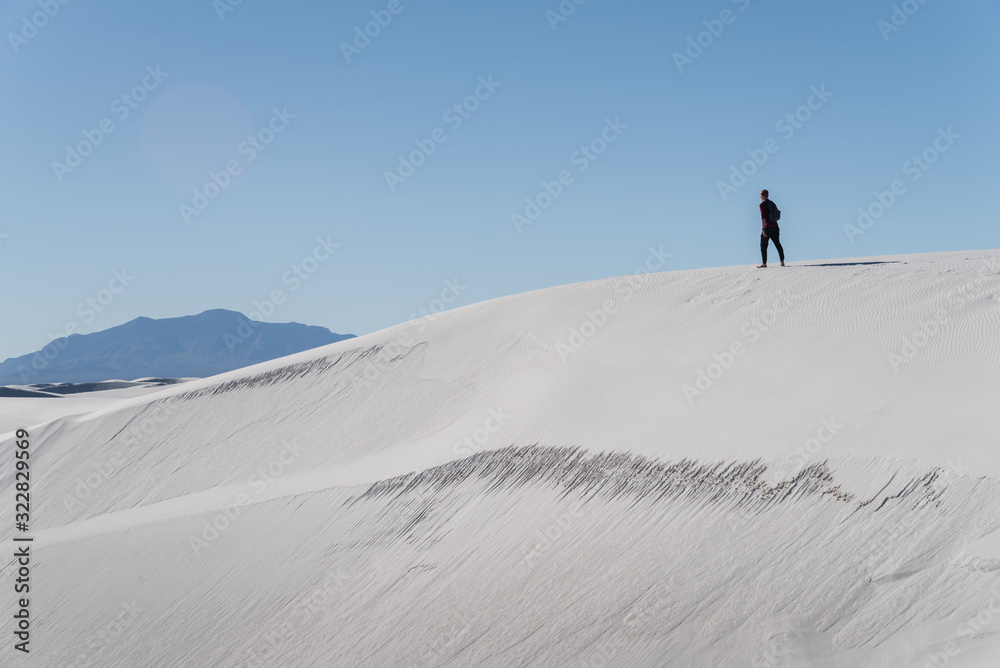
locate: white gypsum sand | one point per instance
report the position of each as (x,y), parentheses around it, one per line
(17,412)
(790,467)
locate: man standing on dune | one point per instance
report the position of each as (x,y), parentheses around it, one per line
(769,215)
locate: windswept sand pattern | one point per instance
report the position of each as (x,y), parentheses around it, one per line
(611,475)
(601,559)
(346,364)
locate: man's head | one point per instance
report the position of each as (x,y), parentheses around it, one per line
(763,194)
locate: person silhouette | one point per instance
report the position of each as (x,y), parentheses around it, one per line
(769,215)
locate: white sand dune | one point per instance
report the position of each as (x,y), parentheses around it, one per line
(720,467)
(17,412)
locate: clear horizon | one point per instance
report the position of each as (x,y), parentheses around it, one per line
(166,160)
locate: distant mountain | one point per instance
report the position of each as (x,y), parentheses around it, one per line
(191,346)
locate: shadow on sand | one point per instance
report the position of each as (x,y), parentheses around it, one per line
(849,264)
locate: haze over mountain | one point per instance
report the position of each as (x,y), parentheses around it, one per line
(197,346)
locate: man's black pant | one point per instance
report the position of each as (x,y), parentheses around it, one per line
(775,236)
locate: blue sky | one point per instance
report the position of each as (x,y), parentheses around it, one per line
(267,90)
